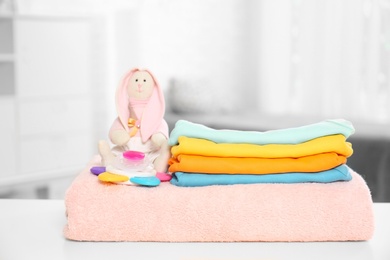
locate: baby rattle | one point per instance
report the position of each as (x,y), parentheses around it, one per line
(139,134)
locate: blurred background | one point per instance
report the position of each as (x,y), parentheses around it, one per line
(237,64)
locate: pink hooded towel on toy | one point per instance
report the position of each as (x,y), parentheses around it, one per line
(152,120)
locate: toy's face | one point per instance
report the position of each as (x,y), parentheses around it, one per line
(140,85)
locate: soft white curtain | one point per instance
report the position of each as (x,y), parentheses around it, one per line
(326,57)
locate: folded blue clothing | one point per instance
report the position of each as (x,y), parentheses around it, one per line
(340,173)
(294,135)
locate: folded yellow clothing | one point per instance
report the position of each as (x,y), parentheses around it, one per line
(234,165)
(325,144)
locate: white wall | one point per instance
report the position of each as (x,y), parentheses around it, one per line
(277,56)
(325,58)
(206,45)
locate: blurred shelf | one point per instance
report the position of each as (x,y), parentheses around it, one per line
(5,57)
(46,122)
(38,177)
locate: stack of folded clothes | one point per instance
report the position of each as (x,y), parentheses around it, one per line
(202,156)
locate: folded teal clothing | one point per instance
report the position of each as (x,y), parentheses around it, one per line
(340,173)
(294,135)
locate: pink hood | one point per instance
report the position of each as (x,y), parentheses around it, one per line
(152,120)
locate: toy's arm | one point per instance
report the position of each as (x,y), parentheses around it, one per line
(118,135)
(159,140)
(161,162)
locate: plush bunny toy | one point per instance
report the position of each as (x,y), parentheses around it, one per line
(140,125)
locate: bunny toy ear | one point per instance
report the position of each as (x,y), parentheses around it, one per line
(152,118)
(122,99)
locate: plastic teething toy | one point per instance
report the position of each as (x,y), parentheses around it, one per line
(113,178)
(133,155)
(146,181)
(162,176)
(131,162)
(98,170)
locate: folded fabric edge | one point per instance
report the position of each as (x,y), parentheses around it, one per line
(186,179)
(183,125)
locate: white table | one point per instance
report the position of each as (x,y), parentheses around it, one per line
(32,229)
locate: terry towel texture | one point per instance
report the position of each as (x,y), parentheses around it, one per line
(339,211)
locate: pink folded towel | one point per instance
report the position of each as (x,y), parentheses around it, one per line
(340,211)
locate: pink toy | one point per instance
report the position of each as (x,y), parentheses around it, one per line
(162,176)
(130,94)
(140,127)
(133,156)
